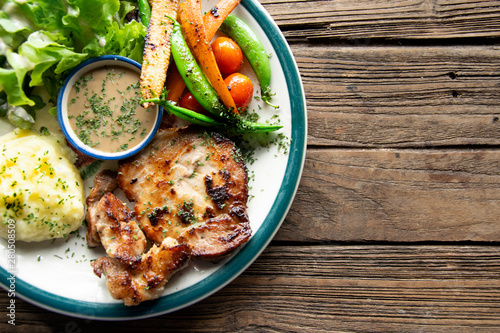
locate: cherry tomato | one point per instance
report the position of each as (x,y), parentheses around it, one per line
(228,55)
(189,102)
(241,89)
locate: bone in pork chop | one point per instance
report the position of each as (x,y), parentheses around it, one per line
(191,186)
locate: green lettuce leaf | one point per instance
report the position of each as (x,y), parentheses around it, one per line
(11,80)
(41,41)
(43,15)
(42,49)
(126,41)
(13,30)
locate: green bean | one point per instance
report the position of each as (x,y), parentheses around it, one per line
(254,51)
(192,116)
(249,127)
(144,11)
(186,114)
(203,120)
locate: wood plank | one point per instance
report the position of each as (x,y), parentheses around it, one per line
(401,96)
(385,19)
(331,288)
(396,196)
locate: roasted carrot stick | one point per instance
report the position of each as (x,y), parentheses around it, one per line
(214,18)
(212,21)
(191,18)
(175,84)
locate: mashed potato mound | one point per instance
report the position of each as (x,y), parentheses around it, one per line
(40,188)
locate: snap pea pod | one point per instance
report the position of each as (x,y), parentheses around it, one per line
(192,75)
(254,51)
(144,11)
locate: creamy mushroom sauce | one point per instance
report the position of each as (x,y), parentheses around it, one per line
(104,109)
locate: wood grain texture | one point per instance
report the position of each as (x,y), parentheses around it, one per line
(327,288)
(386,19)
(401,96)
(403,101)
(396,196)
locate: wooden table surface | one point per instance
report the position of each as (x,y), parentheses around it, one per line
(396,223)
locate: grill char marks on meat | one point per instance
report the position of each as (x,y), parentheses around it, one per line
(105,181)
(132,274)
(216,238)
(120,235)
(218,194)
(189,186)
(156,55)
(110,222)
(190,193)
(147,280)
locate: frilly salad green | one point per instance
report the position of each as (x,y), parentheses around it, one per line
(42,40)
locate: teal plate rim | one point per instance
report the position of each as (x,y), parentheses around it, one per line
(243,258)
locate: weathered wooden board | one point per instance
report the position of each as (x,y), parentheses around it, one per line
(331,288)
(401,96)
(396,196)
(386,19)
(403,102)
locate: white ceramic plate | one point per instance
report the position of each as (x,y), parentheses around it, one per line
(58,276)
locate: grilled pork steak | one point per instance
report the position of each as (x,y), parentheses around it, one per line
(147,280)
(190,190)
(191,186)
(105,181)
(120,235)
